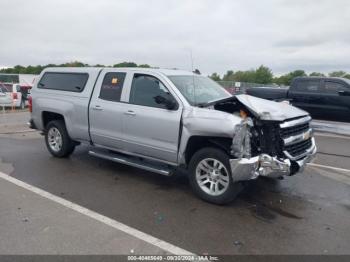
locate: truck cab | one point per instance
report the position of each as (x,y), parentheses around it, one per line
(323,97)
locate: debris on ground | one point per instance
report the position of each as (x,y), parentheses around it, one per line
(238,243)
(159,217)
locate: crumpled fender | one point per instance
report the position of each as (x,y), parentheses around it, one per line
(205,122)
(241,146)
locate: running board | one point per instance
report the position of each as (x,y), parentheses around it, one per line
(158,168)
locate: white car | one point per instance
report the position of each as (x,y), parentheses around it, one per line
(11,96)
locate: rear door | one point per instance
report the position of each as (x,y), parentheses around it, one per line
(107,108)
(151,129)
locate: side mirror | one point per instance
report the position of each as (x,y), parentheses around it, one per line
(169,104)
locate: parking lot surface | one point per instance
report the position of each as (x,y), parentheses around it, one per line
(41,226)
(304,214)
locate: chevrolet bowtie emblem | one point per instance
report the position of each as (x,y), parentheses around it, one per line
(307,135)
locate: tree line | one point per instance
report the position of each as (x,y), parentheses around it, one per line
(260,75)
(264,75)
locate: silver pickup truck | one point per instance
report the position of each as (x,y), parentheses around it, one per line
(166,120)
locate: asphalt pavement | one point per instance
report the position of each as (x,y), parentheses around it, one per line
(31,224)
(304,214)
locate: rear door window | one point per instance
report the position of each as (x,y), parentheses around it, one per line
(334,87)
(112,86)
(72,82)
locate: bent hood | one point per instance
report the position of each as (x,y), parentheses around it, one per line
(270,110)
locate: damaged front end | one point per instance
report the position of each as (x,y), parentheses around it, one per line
(268,139)
(271,149)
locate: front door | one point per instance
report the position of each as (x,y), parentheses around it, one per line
(336,96)
(150,129)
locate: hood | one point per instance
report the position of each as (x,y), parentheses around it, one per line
(270,110)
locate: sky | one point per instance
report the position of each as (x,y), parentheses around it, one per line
(222,35)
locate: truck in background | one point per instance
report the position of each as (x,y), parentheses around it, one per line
(322,97)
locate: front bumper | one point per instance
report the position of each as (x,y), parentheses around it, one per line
(264,165)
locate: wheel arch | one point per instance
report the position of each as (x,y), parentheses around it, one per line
(48,116)
(196,143)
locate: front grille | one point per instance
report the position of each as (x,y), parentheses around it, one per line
(298,149)
(294,130)
(291,134)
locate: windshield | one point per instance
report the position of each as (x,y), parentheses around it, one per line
(206,90)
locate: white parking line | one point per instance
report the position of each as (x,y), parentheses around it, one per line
(108,221)
(329,167)
(18,132)
(331,135)
(343,176)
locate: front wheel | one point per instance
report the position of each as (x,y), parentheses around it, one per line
(57,139)
(210,176)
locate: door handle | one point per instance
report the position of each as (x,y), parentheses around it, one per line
(130,113)
(97,107)
(344,93)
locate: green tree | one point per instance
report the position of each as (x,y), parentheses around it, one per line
(144,66)
(263,75)
(287,78)
(215,77)
(74,64)
(337,74)
(297,73)
(316,74)
(229,76)
(126,64)
(245,76)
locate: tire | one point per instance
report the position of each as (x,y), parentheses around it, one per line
(204,160)
(57,139)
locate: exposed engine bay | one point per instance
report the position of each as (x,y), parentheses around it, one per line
(262,134)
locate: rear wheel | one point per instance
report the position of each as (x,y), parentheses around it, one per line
(57,139)
(210,176)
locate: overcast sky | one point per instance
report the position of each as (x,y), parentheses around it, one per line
(234,34)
